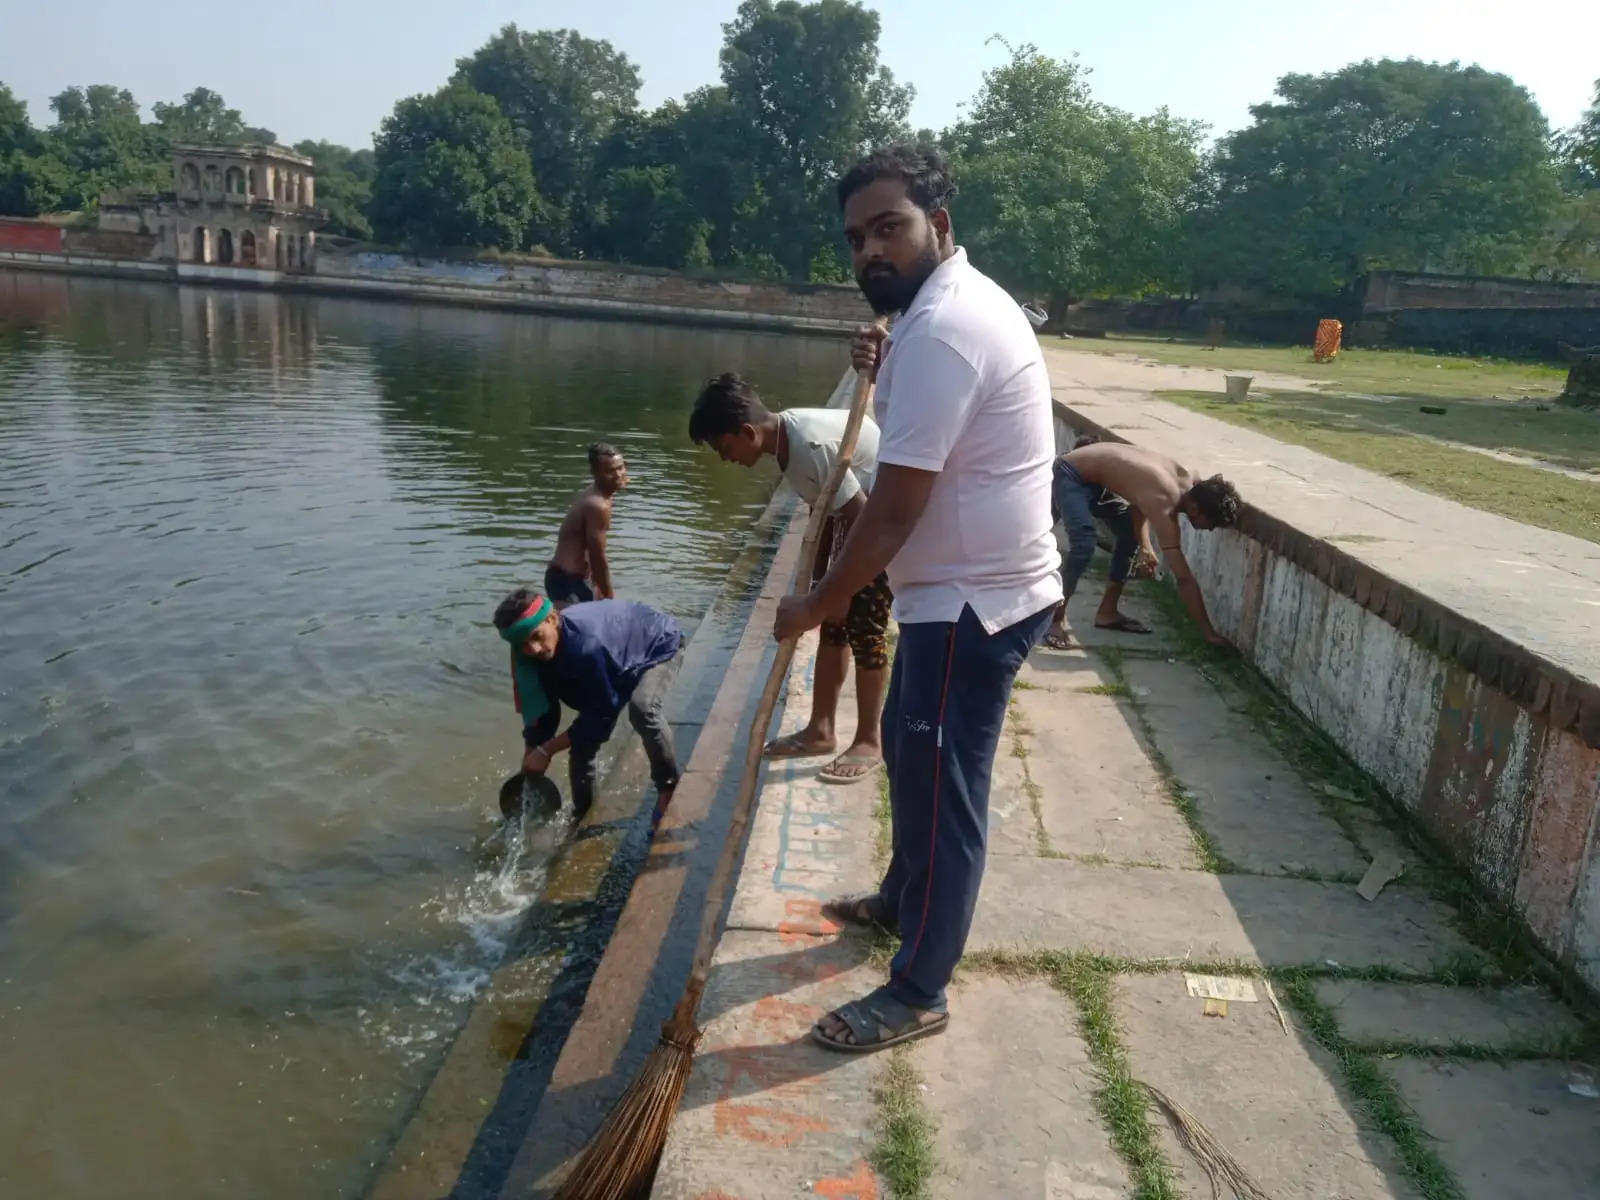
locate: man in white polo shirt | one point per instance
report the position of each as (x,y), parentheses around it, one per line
(960,516)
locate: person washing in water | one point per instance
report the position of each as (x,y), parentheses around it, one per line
(596,657)
(730,418)
(581,542)
(1134,491)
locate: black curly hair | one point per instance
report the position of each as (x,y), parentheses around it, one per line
(918,164)
(1217,500)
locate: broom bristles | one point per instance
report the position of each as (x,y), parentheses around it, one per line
(620,1163)
(1220,1166)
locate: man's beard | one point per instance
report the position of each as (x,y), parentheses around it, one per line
(890,291)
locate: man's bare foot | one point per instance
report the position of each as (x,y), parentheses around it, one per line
(799,744)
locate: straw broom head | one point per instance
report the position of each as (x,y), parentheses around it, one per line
(620,1163)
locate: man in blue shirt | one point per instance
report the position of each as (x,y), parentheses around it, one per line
(597,658)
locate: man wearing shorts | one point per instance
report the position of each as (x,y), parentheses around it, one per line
(581,541)
(730,418)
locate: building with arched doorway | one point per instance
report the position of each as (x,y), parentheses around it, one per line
(234,211)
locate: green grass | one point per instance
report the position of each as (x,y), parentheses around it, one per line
(1343,429)
(1374,1094)
(1386,372)
(904,1154)
(1123,1106)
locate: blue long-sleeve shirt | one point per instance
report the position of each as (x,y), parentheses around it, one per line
(605,646)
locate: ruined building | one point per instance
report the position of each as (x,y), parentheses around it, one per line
(248,210)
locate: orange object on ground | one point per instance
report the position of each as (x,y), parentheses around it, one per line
(1330,334)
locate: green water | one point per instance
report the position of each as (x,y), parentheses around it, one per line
(252,714)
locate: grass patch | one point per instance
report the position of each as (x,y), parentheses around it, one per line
(882,823)
(1348,430)
(1393,372)
(1085,980)
(904,1154)
(1119,690)
(1377,1098)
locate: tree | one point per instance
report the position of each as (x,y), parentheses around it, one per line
(16,131)
(344,185)
(806,78)
(1061,195)
(451,172)
(562,93)
(650,221)
(1409,164)
(102,145)
(1580,146)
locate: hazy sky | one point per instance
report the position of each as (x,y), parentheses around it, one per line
(333,68)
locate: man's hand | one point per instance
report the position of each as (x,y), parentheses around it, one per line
(796,614)
(1144,565)
(865,347)
(536,761)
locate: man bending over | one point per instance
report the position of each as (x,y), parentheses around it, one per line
(1137,492)
(730,418)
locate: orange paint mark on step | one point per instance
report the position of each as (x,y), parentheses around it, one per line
(862,1184)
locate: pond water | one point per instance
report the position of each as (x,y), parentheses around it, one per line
(253,714)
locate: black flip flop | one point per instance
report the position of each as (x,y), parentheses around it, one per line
(1125,625)
(867,911)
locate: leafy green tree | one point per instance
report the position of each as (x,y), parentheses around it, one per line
(807,80)
(450,171)
(1062,196)
(202,116)
(1580,146)
(16,131)
(344,185)
(650,221)
(1409,165)
(100,141)
(562,94)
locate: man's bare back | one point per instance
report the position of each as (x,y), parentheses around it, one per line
(1150,482)
(590,514)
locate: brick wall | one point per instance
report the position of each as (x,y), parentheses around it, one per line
(19,233)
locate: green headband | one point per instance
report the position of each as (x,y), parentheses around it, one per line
(519,630)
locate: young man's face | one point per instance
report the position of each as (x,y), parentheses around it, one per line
(894,245)
(611,473)
(1196,518)
(542,642)
(742,447)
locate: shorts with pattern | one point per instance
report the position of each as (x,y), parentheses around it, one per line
(865,627)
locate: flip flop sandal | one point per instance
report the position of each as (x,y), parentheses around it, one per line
(871,761)
(878,1021)
(1125,625)
(866,911)
(1058,641)
(788,746)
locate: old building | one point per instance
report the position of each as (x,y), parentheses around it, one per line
(248,210)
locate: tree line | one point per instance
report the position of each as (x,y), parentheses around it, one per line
(538,143)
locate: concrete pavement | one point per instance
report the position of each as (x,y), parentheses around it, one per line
(1147,833)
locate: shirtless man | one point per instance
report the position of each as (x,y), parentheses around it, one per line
(581,543)
(1136,492)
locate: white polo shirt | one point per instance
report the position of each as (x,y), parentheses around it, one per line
(814,435)
(963,391)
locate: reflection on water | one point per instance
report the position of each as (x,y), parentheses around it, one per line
(252,715)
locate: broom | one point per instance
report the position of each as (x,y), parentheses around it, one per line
(620,1163)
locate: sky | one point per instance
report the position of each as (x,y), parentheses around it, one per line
(332,69)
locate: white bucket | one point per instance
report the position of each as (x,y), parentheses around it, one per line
(1238,386)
